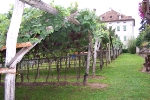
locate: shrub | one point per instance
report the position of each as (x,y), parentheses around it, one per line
(131,46)
(124,50)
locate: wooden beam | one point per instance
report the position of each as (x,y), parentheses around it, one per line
(41,5)
(18,57)
(19,45)
(72,19)
(11,42)
(46,7)
(7,70)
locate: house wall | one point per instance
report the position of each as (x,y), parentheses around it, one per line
(128,33)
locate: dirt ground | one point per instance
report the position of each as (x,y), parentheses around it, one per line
(92,85)
(144,70)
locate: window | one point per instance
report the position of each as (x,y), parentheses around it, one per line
(102,18)
(124,27)
(118,28)
(125,38)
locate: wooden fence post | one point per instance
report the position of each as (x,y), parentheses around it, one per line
(11,48)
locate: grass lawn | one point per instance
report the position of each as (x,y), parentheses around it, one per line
(125,82)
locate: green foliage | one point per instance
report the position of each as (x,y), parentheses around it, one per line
(131,46)
(146,33)
(111,31)
(125,51)
(114,40)
(139,40)
(117,42)
(73,7)
(63,33)
(143,37)
(4,23)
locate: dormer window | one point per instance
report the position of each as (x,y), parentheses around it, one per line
(110,16)
(102,18)
(119,16)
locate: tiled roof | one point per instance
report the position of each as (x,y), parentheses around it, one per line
(112,15)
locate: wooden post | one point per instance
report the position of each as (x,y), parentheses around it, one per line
(11,48)
(95,56)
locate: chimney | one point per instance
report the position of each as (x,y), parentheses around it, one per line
(110,9)
(119,14)
(94,10)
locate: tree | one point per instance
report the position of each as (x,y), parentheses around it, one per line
(143,37)
(131,46)
(59,28)
(111,35)
(100,35)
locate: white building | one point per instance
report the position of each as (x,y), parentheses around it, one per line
(124,25)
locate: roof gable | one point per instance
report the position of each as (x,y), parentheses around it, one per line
(112,15)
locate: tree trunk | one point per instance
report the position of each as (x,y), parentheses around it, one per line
(87,65)
(37,71)
(66,64)
(11,48)
(101,56)
(58,70)
(112,47)
(69,66)
(27,74)
(21,71)
(49,69)
(79,68)
(109,55)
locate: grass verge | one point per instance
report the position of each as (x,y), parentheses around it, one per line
(125,82)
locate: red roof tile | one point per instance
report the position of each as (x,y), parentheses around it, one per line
(112,15)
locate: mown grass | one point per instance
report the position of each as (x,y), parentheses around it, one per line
(125,82)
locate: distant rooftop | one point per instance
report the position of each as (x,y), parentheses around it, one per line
(112,15)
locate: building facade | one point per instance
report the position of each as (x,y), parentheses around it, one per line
(123,24)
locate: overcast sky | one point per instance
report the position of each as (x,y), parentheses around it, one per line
(126,7)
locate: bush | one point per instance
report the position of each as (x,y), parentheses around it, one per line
(131,46)
(125,51)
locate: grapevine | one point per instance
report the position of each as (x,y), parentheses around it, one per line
(63,35)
